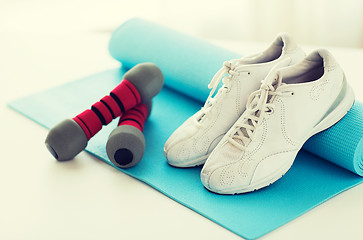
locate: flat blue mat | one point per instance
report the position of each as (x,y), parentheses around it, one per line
(311,180)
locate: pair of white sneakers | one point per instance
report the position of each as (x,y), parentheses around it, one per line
(249,133)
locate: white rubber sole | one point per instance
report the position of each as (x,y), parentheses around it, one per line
(258,185)
(329,120)
(192,163)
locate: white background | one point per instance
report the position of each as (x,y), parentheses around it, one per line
(327,22)
(47,43)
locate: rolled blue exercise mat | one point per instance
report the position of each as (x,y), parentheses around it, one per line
(342,143)
(188,65)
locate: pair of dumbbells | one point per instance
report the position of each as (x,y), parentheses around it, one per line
(131,100)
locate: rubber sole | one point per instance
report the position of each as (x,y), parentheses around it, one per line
(192,163)
(343,105)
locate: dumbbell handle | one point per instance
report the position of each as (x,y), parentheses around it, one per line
(121,99)
(135,117)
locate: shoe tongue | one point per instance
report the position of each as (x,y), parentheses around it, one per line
(274,74)
(244,131)
(271,77)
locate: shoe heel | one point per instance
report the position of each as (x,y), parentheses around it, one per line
(342,105)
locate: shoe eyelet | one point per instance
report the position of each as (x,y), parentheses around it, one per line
(270,111)
(292,93)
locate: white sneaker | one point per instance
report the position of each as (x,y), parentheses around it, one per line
(291,105)
(195,139)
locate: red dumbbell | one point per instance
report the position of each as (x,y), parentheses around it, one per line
(70,137)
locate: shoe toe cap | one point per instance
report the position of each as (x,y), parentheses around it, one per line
(176,154)
(223,180)
(184,154)
(225,170)
(186,148)
(211,179)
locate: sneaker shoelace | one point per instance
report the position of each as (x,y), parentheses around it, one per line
(259,104)
(230,69)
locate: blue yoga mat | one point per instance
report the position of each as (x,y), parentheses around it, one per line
(330,163)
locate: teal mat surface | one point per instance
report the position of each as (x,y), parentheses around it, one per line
(330,163)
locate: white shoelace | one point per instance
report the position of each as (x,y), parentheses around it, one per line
(232,68)
(258,104)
